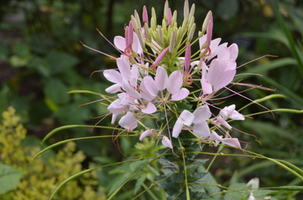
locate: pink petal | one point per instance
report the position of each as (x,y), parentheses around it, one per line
(151,108)
(112,76)
(186,118)
(224,79)
(181,94)
(224,123)
(201,129)
(234,50)
(144,92)
(223,53)
(234,142)
(174,82)
(136,46)
(177,129)
(124,68)
(215,137)
(128,121)
(206,86)
(130,90)
(150,85)
(119,42)
(227,111)
(114,88)
(166,142)
(145,134)
(201,114)
(237,116)
(161,78)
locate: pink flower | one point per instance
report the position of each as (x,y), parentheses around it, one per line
(185,118)
(234,142)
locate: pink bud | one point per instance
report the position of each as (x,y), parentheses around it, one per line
(186,64)
(169,17)
(187,57)
(126,36)
(145,15)
(130,34)
(209,30)
(160,57)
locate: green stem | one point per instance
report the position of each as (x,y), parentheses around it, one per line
(185,174)
(152,195)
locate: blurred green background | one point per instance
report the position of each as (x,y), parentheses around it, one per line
(41,59)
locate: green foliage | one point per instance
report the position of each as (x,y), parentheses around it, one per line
(38,178)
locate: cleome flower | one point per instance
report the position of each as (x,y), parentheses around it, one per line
(152,78)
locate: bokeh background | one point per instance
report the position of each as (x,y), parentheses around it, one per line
(41,59)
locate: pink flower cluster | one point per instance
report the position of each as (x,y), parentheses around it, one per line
(152,82)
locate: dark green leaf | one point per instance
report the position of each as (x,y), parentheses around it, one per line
(56,91)
(61,61)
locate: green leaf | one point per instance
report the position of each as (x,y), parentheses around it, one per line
(237,191)
(21,49)
(56,91)
(4,52)
(41,65)
(18,61)
(209,179)
(60,61)
(9,178)
(139,183)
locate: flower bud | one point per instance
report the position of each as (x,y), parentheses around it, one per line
(145,15)
(172,42)
(154,19)
(206,21)
(186,9)
(192,11)
(137,18)
(166,7)
(191,32)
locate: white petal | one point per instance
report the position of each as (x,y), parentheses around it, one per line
(237,116)
(113,76)
(151,108)
(201,114)
(174,82)
(186,118)
(161,78)
(150,85)
(144,92)
(166,142)
(145,134)
(119,42)
(234,50)
(124,68)
(177,129)
(227,111)
(201,129)
(234,142)
(224,123)
(215,137)
(113,89)
(130,90)
(181,94)
(136,46)
(128,121)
